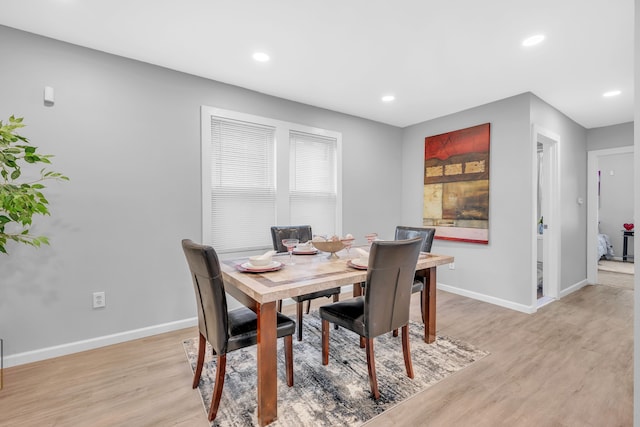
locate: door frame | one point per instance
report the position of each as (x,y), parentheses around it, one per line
(593,160)
(551,256)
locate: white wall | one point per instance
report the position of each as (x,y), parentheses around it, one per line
(128,135)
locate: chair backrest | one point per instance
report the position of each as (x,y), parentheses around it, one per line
(404,233)
(392,266)
(211,299)
(300,232)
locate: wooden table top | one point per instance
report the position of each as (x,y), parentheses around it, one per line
(310,273)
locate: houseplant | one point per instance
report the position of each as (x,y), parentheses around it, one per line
(21,194)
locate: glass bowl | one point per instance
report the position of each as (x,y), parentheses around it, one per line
(331,246)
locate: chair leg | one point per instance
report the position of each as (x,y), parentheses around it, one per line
(362,342)
(288,358)
(371,364)
(299,311)
(422,299)
(279,306)
(336,298)
(202,345)
(325,342)
(217,387)
(406,351)
(308,305)
(395,333)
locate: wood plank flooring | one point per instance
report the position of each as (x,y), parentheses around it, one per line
(570,364)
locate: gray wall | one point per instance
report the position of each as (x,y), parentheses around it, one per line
(128,135)
(610,137)
(636,162)
(491,270)
(501,271)
(572,167)
(616,198)
(616,203)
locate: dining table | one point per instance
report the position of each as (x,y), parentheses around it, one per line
(260,290)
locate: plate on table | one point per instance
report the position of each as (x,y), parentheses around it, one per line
(250,268)
(312,251)
(355,264)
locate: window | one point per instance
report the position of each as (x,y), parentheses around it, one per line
(258,172)
(312,182)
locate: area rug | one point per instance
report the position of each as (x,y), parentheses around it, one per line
(336,394)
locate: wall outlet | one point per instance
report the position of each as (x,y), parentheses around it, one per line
(99,300)
(452,266)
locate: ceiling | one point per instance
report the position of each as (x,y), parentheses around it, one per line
(436,57)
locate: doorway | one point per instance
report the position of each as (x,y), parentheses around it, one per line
(546,218)
(594,235)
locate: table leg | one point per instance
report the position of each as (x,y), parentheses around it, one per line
(267,366)
(357,289)
(624,247)
(429,306)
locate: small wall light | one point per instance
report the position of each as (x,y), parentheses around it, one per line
(48,96)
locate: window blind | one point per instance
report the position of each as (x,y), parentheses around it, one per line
(243,190)
(313,181)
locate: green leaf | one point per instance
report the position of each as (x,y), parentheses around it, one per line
(20,201)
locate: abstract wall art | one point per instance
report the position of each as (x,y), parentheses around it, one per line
(456,184)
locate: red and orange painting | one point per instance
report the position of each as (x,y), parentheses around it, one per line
(456,184)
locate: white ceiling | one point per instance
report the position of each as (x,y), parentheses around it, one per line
(436,57)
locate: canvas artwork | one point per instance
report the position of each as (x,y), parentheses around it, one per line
(456,184)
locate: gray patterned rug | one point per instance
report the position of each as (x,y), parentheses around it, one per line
(337,394)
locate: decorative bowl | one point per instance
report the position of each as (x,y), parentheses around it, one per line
(331,246)
(260,260)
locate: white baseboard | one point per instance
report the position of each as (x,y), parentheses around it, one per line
(486,298)
(571,289)
(97,342)
(92,343)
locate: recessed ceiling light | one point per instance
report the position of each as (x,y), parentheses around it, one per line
(388,98)
(611,93)
(261,57)
(533,40)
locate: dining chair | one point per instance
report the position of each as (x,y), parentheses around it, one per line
(384,306)
(225,330)
(419,281)
(302,233)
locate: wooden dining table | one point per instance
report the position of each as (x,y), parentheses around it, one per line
(310,273)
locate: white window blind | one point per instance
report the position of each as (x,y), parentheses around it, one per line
(258,172)
(312,182)
(243,192)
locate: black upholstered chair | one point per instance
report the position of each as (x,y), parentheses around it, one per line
(225,330)
(427,234)
(302,233)
(384,306)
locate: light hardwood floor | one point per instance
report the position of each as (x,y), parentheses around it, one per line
(570,364)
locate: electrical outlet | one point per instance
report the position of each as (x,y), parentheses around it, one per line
(99,300)
(452,266)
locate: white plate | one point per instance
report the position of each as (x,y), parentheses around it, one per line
(305,251)
(251,267)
